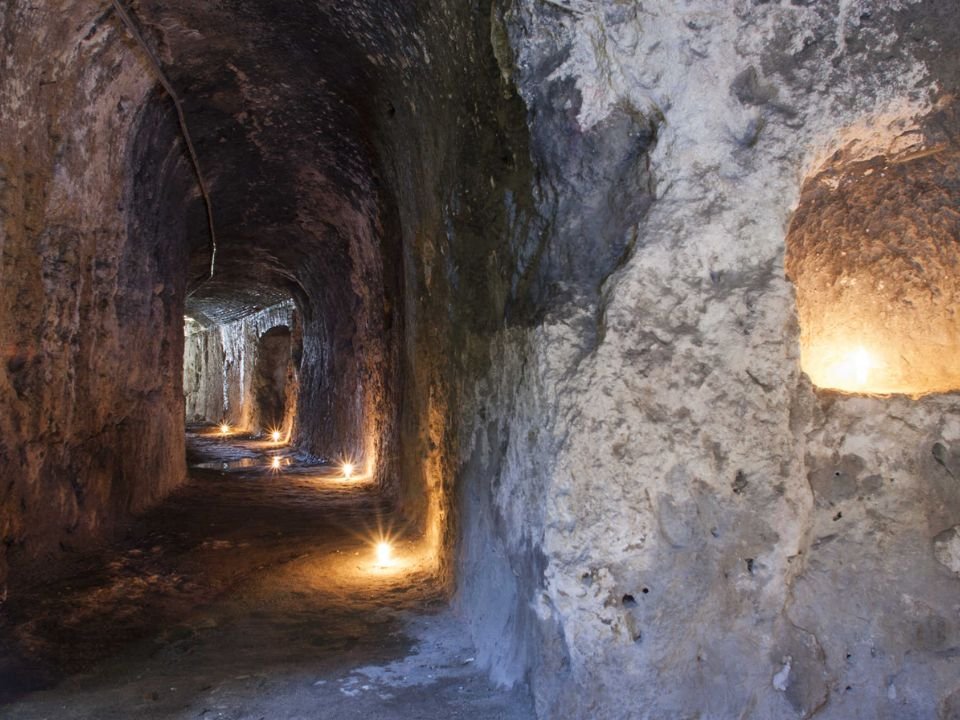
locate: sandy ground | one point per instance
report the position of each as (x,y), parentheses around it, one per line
(249,594)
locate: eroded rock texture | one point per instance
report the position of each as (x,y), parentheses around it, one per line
(687,528)
(875,590)
(92,274)
(538,252)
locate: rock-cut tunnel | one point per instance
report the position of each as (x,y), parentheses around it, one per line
(496,359)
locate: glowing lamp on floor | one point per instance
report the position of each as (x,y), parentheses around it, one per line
(347,469)
(275,436)
(275,463)
(224,428)
(384,552)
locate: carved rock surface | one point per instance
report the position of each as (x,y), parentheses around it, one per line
(946,548)
(697,532)
(92,278)
(538,251)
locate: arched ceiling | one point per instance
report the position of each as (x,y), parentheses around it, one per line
(278,100)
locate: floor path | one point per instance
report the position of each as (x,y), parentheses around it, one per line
(253,593)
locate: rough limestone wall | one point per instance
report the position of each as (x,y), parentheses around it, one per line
(662,541)
(203,376)
(219,365)
(91,281)
(446,138)
(880,576)
(272,372)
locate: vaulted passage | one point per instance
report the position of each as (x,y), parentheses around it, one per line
(512,359)
(233,229)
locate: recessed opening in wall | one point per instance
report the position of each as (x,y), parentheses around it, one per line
(874,252)
(272,376)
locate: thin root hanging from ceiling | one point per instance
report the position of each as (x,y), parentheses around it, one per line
(184,130)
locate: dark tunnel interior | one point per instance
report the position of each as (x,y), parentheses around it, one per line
(294,270)
(299,211)
(497,359)
(293,274)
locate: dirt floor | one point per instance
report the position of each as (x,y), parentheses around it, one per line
(253,593)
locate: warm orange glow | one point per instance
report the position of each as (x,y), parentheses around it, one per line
(347,470)
(850,368)
(384,553)
(224,428)
(874,271)
(275,436)
(275,463)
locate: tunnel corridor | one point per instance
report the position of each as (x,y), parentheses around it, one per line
(254,591)
(488,359)
(271,185)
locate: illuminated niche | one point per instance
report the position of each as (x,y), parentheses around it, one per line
(874,252)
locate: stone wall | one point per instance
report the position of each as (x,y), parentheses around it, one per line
(538,249)
(680,525)
(91,283)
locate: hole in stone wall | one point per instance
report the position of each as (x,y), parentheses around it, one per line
(272,373)
(873,250)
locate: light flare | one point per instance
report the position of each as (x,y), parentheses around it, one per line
(275,463)
(848,369)
(347,469)
(275,436)
(384,551)
(224,428)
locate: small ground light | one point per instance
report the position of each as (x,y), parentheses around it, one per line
(347,470)
(384,553)
(275,435)
(224,428)
(275,463)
